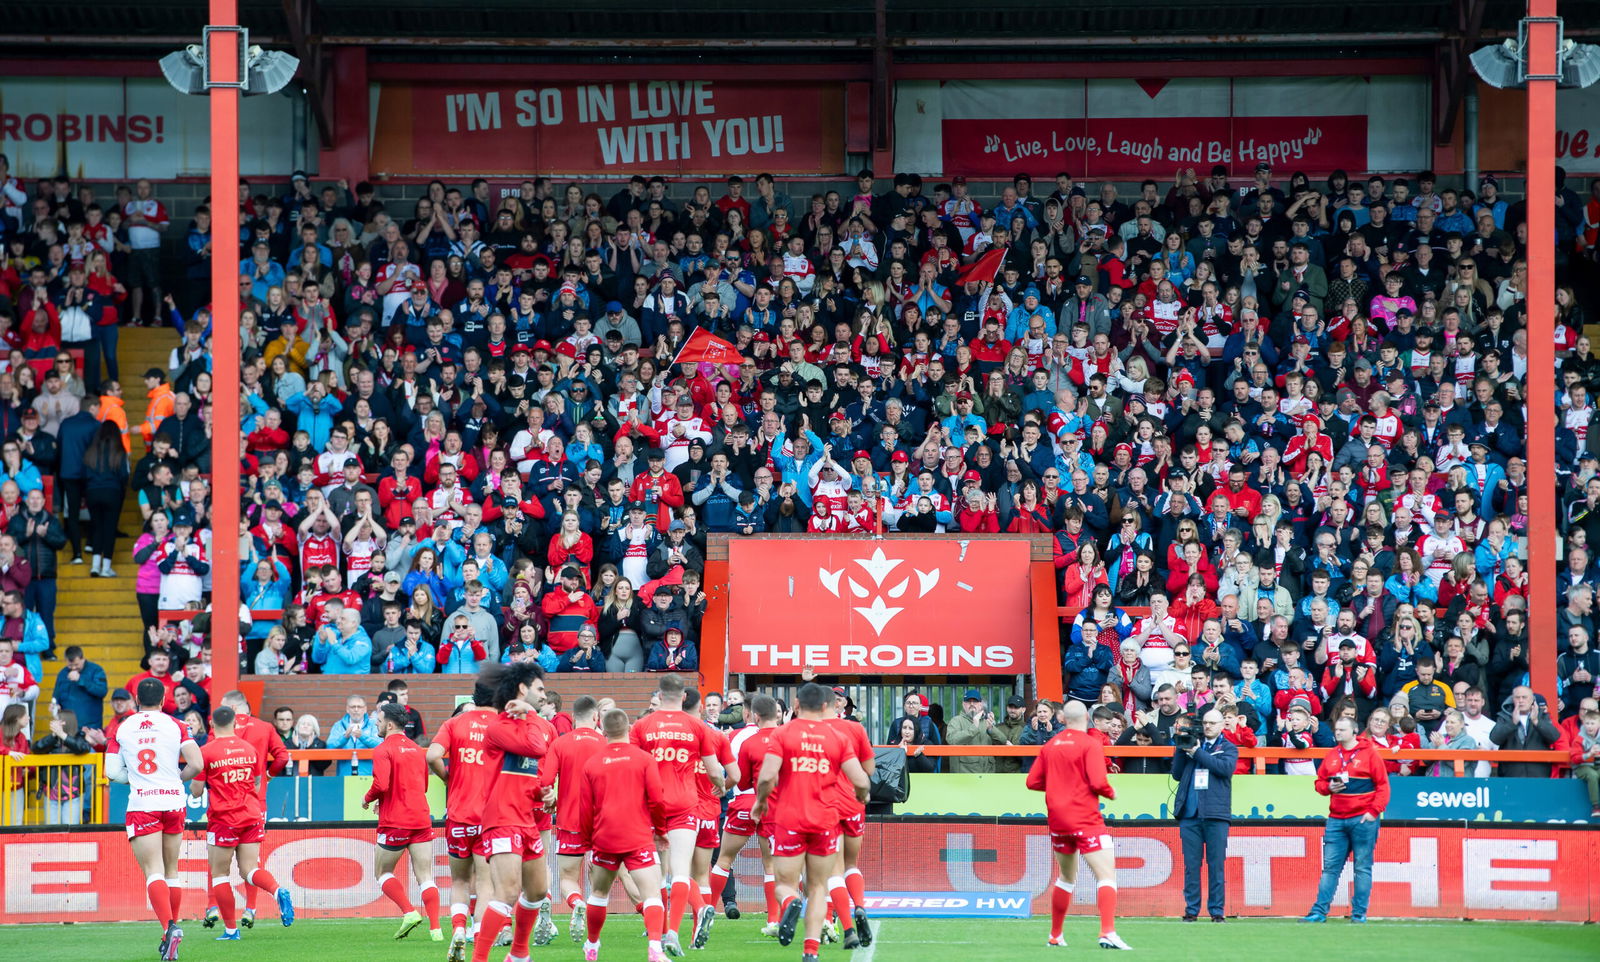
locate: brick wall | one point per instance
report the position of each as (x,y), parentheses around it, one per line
(434,695)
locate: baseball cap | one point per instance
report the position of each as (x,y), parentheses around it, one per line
(613,307)
(677,525)
(1263,165)
(655,454)
(957,179)
(1084,279)
(1016,701)
(391,577)
(971,475)
(900,456)
(30,413)
(861,454)
(1347,643)
(123,694)
(1345,394)
(636,506)
(972,694)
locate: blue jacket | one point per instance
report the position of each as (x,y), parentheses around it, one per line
(423,662)
(27,477)
(719,508)
(35,642)
(314,418)
(73,439)
(1216,800)
(1088,670)
(365,736)
(458,658)
(263,597)
(349,657)
(85,697)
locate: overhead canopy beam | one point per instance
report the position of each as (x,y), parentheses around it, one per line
(307,42)
(1453,72)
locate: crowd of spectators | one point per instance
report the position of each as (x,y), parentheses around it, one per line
(1273,427)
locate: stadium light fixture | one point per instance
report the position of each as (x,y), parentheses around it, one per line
(1505,65)
(190,70)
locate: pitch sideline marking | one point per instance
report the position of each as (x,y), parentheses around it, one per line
(865,954)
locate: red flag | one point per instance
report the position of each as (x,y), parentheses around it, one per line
(705,347)
(984,268)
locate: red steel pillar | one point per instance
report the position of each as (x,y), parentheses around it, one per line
(224,61)
(1543,61)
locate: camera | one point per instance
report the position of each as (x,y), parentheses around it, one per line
(1184,739)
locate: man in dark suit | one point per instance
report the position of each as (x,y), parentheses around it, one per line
(1204,806)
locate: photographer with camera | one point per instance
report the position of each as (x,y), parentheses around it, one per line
(1203,766)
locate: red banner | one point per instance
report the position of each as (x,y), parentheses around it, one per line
(858,606)
(677,127)
(1523,873)
(1273,870)
(1103,146)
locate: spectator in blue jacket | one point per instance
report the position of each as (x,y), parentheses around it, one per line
(345,649)
(673,652)
(356,730)
(314,411)
(33,640)
(412,656)
(586,656)
(81,688)
(717,495)
(264,587)
(1088,663)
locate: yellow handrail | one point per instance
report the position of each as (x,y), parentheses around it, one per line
(50,789)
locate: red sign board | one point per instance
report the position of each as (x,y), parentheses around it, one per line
(860,606)
(609,129)
(1446,872)
(1524,873)
(1103,146)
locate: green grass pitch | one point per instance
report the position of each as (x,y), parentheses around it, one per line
(900,940)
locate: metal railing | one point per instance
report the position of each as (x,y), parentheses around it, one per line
(52,790)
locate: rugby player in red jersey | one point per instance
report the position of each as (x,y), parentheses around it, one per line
(708,816)
(750,749)
(153,753)
(803,761)
(517,741)
(399,793)
(568,754)
(622,807)
(231,768)
(1071,771)
(264,739)
(456,755)
(680,743)
(846,885)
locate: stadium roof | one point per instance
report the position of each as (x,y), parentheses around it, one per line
(696,27)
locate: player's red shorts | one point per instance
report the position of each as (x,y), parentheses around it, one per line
(683,820)
(233,836)
(788,844)
(1090,838)
(739,821)
(150,823)
(543,821)
(855,826)
(708,833)
(510,840)
(568,843)
(632,861)
(460,838)
(394,838)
